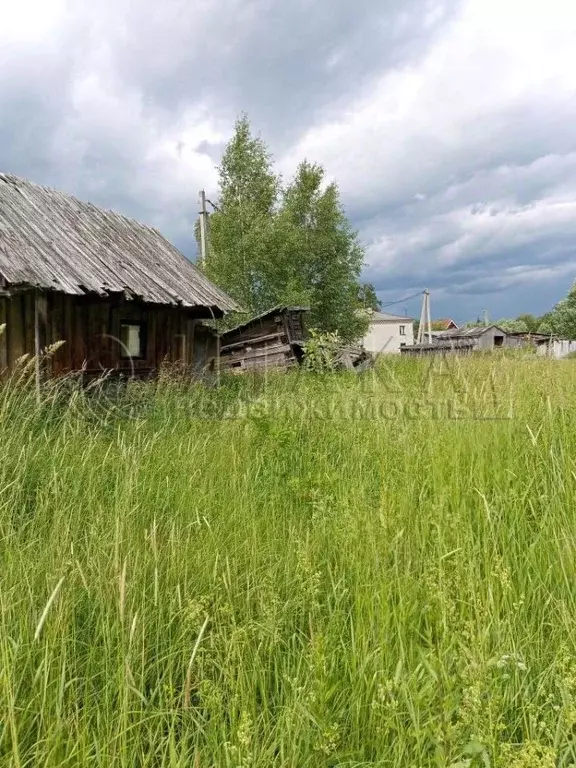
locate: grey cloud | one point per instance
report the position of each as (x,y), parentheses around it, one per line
(212,150)
(492,159)
(284,62)
(512,177)
(33,96)
(508,281)
(417,196)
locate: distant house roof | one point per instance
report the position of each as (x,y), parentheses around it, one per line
(386,317)
(445,324)
(467,333)
(53,241)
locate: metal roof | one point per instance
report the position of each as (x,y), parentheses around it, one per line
(53,241)
(468,332)
(386,317)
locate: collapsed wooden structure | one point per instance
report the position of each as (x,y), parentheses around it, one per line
(116,292)
(353,357)
(272,340)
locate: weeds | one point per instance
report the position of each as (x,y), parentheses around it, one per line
(295,582)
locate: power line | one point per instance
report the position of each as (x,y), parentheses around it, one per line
(406,298)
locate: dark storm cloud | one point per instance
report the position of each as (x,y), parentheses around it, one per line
(490,214)
(283,62)
(81,109)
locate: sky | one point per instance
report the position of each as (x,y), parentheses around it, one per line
(448,125)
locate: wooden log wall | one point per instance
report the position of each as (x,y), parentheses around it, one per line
(90,330)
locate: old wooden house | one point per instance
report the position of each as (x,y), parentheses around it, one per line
(464,341)
(273,339)
(483,338)
(116,292)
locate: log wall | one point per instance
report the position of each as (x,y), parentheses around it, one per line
(90,329)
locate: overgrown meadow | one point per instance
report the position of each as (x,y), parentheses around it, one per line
(304,570)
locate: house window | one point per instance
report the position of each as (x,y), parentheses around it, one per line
(402,330)
(132,338)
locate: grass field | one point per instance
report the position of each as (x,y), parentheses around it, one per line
(374,570)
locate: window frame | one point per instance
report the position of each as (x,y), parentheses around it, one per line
(402,330)
(124,353)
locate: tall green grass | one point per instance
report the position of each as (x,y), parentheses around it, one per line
(344,570)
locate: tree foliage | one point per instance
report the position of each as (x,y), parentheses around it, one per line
(562,319)
(271,244)
(242,233)
(367,297)
(532,322)
(512,326)
(322,252)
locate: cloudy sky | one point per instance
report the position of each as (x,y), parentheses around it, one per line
(448,124)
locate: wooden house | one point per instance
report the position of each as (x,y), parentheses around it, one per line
(116,292)
(464,341)
(273,339)
(483,338)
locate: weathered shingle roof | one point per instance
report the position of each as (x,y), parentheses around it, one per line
(51,240)
(263,315)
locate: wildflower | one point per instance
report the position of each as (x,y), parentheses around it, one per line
(511,662)
(244,734)
(329,739)
(528,755)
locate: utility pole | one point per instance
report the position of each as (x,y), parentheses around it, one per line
(425,321)
(203,228)
(427,297)
(420,336)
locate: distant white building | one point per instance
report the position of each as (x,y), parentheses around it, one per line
(388,333)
